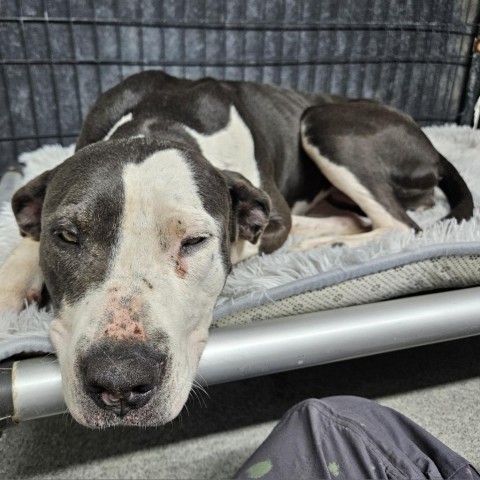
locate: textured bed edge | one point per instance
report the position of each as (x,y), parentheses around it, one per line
(239,352)
(228,310)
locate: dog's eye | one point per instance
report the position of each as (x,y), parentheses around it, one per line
(189,244)
(67,237)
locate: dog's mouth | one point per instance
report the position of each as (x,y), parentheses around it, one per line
(155,407)
(101,418)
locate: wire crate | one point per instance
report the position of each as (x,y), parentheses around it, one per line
(57,56)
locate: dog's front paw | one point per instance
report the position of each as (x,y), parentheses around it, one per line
(15,297)
(21,279)
(11,302)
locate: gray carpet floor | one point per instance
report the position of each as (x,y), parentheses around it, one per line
(438,386)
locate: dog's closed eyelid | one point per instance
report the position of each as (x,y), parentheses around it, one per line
(194,240)
(192,243)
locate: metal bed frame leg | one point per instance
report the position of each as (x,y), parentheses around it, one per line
(6,395)
(30,389)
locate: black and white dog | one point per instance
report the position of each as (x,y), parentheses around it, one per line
(173,181)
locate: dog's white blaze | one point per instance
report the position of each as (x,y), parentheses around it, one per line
(158,187)
(126,118)
(160,192)
(231,148)
(349,184)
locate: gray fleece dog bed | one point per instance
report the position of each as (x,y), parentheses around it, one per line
(443,255)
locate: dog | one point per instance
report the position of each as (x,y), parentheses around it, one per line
(171,183)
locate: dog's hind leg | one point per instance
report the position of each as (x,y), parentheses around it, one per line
(21,279)
(373,193)
(382,219)
(328,226)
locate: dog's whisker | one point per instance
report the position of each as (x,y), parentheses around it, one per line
(199,387)
(193,393)
(205,383)
(181,419)
(199,394)
(201,400)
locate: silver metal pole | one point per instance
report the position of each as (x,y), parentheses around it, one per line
(323,337)
(288,343)
(37,389)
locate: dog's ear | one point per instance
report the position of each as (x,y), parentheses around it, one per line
(27,205)
(250,208)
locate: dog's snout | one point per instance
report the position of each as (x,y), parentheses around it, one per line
(122,376)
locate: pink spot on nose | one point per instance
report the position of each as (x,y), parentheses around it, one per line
(125,318)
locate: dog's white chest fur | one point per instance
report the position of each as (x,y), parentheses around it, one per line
(231,148)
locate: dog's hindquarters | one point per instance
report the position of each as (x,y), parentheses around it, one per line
(382,161)
(350,142)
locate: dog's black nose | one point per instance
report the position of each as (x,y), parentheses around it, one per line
(121,376)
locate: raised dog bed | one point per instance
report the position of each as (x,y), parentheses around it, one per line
(306,309)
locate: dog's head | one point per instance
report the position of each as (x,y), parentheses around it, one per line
(135,242)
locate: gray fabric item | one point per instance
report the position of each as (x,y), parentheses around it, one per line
(351,437)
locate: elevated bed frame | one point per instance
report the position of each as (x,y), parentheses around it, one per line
(32,388)
(336,305)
